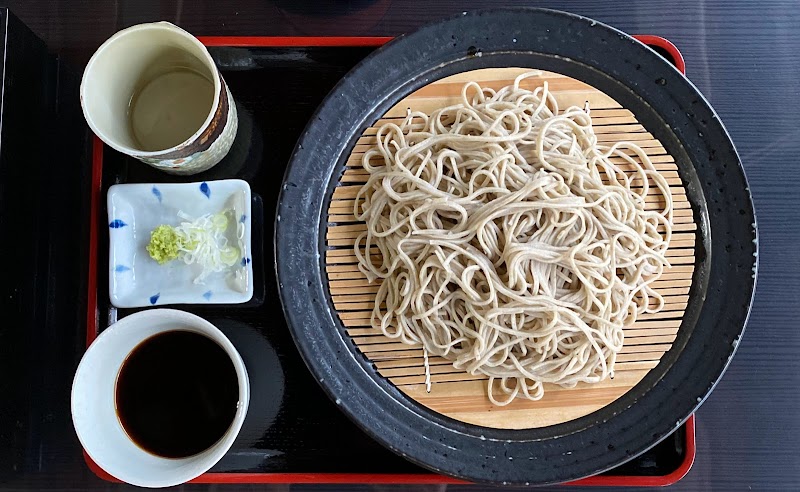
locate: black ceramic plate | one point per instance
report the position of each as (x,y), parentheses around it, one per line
(667,104)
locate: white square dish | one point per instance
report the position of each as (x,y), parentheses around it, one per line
(137,280)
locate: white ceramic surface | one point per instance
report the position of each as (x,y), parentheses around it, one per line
(134,210)
(93,393)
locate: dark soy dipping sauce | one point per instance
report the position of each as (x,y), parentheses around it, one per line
(177,394)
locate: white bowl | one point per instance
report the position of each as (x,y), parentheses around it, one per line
(136,280)
(93,402)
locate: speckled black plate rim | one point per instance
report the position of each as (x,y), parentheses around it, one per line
(667,104)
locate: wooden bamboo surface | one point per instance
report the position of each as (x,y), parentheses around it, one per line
(460,395)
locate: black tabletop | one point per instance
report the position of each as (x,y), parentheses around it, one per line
(744,56)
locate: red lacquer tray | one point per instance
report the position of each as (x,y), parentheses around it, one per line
(331,57)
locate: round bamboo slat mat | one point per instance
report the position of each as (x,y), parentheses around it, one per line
(460,395)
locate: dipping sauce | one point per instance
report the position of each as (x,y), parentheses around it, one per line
(176,394)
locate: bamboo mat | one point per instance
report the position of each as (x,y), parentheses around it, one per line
(462,396)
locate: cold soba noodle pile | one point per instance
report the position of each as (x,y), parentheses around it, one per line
(508,241)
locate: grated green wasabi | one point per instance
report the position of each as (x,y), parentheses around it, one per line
(165,244)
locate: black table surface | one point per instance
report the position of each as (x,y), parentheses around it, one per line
(743,55)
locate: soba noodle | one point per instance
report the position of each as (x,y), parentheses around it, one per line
(510,242)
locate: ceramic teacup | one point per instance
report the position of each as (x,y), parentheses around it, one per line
(152,91)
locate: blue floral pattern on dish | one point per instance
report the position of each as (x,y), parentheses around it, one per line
(121,268)
(242,218)
(245,261)
(204,189)
(207,294)
(157,193)
(154,298)
(117,224)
